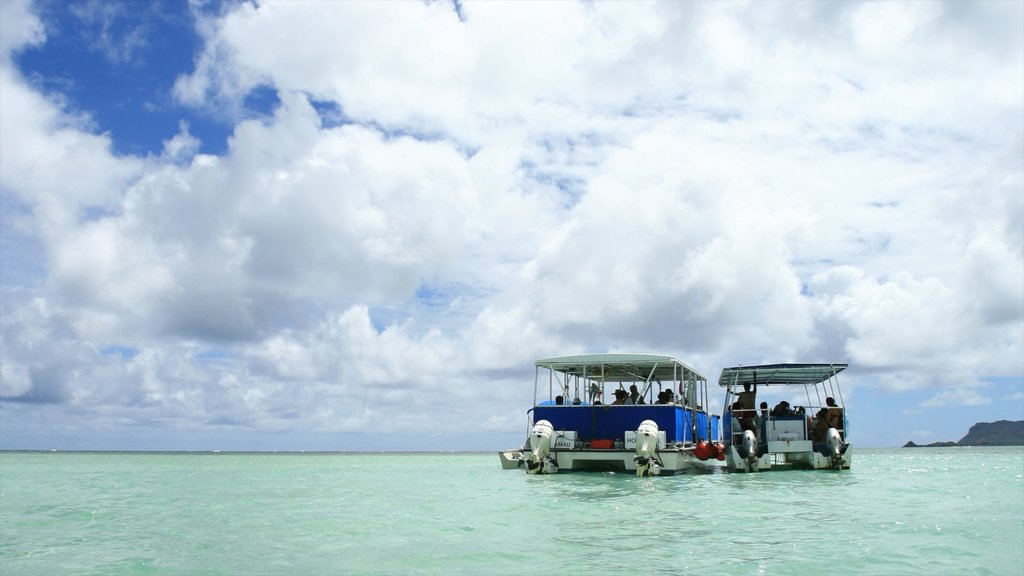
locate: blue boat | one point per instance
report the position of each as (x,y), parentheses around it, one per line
(810,434)
(642,413)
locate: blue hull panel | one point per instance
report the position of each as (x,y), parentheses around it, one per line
(610,422)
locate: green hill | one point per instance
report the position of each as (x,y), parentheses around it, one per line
(999,433)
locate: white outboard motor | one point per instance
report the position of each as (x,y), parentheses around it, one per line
(647,462)
(540,447)
(834,445)
(750,450)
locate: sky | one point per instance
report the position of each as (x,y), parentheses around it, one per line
(357,225)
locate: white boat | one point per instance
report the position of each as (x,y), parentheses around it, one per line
(810,434)
(657,424)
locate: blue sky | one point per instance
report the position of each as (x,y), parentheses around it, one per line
(344,226)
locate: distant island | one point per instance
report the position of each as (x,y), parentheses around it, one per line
(999,433)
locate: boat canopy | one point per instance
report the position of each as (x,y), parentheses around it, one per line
(779,374)
(623,367)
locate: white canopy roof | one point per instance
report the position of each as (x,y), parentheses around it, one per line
(779,374)
(622,367)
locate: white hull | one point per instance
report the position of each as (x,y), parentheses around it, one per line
(786,460)
(511,459)
(672,461)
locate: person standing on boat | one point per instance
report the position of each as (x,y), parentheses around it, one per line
(748,398)
(745,406)
(634,396)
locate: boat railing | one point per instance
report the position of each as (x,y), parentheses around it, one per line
(810,414)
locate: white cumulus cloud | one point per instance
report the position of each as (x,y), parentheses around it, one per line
(440,197)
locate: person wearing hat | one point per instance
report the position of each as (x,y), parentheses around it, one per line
(620,397)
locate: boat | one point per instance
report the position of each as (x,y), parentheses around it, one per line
(810,434)
(657,424)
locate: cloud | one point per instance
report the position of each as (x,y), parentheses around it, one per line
(959,397)
(918,327)
(19,27)
(441,197)
(108,28)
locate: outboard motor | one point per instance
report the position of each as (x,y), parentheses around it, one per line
(647,462)
(748,449)
(834,446)
(540,444)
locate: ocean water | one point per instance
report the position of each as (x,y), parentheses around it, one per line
(898,511)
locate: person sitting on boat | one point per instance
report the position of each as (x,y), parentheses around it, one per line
(831,416)
(559,400)
(620,397)
(666,397)
(782,409)
(576,401)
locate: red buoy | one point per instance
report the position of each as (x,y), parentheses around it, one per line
(703,451)
(720,451)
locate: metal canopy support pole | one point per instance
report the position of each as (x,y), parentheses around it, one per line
(835,375)
(675,378)
(697,401)
(704,402)
(536,383)
(588,386)
(728,407)
(551,382)
(647,382)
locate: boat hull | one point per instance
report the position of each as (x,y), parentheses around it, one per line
(672,461)
(511,459)
(798,459)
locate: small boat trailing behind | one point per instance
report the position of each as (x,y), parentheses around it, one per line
(810,434)
(656,424)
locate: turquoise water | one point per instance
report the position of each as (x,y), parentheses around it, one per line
(899,511)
